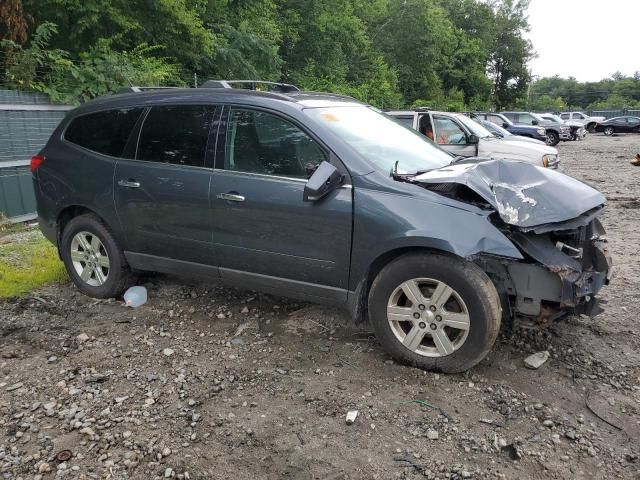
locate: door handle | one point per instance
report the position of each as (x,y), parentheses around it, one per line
(128,184)
(231,197)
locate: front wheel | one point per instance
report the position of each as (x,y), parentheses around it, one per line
(93,259)
(609,131)
(553,139)
(435,311)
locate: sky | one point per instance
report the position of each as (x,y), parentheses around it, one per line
(586,39)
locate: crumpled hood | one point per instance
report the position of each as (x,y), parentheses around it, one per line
(523,194)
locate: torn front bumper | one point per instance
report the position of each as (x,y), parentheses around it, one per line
(565,267)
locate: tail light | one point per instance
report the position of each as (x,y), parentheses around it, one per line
(36,161)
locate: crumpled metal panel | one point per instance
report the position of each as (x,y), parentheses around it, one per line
(523,194)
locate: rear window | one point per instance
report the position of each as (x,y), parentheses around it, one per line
(176,134)
(104,132)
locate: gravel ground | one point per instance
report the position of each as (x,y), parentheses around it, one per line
(210,383)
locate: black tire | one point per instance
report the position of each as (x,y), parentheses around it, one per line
(609,131)
(119,275)
(552,138)
(591,128)
(467,280)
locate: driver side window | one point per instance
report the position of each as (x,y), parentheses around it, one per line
(449,132)
(258,142)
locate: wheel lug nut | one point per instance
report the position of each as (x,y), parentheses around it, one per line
(432,308)
(422,325)
(416,315)
(421,307)
(433,326)
(438,318)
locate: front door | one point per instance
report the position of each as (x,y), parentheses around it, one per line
(264,234)
(450,135)
(162,196)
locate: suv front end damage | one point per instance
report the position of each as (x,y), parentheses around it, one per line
(561,274)
(553,221)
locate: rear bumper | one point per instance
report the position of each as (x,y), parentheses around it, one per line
(49,230)
(565,135)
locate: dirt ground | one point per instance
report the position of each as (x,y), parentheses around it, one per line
(210,383)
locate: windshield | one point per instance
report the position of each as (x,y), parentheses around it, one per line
(538,117)
(382,140)
(492,127)
(554,118)
(475,127)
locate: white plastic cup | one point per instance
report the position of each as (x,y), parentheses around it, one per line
(135,296)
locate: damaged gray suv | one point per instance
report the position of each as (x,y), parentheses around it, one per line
(321,198)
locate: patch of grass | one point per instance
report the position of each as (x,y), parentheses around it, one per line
(28,261)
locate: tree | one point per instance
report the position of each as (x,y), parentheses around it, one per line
(13,21)
(510,52)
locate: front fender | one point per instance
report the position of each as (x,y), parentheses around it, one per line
(385,221)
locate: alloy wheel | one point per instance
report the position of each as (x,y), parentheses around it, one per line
(608,131)
(428,317)
(90,259)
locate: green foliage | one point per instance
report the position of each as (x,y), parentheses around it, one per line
(615,93)
(28,264)
(458,54)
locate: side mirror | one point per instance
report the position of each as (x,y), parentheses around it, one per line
(505,125)
(473,139)
(324,180)
(534,122)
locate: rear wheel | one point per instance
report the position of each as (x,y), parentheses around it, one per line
(591,128)
(435,312)
(552,138)
(93,258)
(609,131)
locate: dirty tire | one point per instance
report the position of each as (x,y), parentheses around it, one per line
(591,128)
(609,131)
(468,280)
(119,277)
(553,139)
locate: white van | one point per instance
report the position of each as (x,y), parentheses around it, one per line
(460,135)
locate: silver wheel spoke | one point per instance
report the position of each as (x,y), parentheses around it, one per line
(100,278)
(399,314)
(442,342)
(103,261)
(86,273)
(82,240)
(77,256)
(460,321)
(441,294)
(95,244)
(414,338)
(413,293)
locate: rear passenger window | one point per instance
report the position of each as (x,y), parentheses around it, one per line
(176,134)
(103,132)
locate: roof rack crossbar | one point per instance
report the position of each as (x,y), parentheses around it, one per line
(142,89)
(252,84)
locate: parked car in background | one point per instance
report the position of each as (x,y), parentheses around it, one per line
(531,131)
(556,131)
(626,124)
(588,121)
(578,132)
(500,132)
(460,135)
(322,198)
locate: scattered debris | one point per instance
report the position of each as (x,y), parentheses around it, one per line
(135,297)
(351,416)
(536,360)
(64,455)
(167,352)
(83,337)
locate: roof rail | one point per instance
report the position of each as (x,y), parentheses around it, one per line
(142,89)
(251,85)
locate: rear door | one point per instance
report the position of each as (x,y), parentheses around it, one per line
(265,235)
(162,194)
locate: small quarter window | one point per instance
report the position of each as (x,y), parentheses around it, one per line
(104,132)
(176,134)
